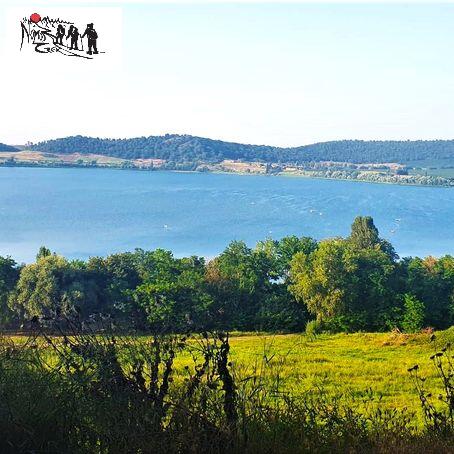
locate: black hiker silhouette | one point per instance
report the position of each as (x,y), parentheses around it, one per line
(92,36)
(74,38)
(60,34)
(70,31)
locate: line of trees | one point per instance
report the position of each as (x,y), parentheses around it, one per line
(338,284)
(380,177)
(186,148)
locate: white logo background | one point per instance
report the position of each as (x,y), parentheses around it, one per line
(107,23)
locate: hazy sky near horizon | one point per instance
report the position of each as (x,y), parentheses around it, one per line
(277,74)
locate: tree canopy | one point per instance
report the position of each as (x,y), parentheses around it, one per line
(184,149)
(344,284)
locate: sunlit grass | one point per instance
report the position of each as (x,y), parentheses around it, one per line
(355,366)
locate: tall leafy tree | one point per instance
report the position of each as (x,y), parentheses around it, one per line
(172,294)
(9,274)
(431,281)
(53,286)
(43,252)
(239,280)
(322,279)
(281,252)
(364,235)
(354,279)
(116,277)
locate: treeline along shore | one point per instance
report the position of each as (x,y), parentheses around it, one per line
(429,163)
(348,284)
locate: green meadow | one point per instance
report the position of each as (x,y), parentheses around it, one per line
(365,369)
(248,393)
(353,366)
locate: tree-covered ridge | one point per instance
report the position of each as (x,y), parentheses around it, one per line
(186,148)
(4,147)
(338,284)
(171,147)
(376,151)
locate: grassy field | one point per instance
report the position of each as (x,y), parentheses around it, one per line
(355,367)
(272,394)
(348,364)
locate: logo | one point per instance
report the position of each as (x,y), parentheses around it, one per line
(48,35)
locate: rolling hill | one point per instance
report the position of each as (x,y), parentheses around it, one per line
(4,147)
(185,148)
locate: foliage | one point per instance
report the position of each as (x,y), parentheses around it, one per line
(53,286)
(347,284)
(9,275)
(43,252)
(173,292)
(313,327)
(431,281)
(414,314)
(373,176)
(321,279)
(189,150)
(354,284)
(364,236)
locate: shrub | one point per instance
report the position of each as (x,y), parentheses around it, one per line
(313,327)
(414,314)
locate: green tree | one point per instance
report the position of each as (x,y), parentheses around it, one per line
(280,253)
(239,280)
(173,293)
(116,277)
(414,314)
(432,280)
(340,280)
(321,280)
(53,286)
(364,235)
(43,252)
(9,274)
(374,288)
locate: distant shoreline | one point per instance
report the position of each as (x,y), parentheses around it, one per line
(220,172)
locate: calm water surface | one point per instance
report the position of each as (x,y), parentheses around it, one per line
(85,212)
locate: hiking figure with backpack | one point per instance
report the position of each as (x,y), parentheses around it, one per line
(70,31)
(74,38)
(92,36)
(60,34)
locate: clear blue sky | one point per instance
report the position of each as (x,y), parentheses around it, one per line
(280,74)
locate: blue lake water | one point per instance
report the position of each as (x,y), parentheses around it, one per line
(85,212)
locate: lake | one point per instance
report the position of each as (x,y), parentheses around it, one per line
(85,212)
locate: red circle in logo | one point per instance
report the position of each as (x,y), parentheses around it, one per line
(35,18)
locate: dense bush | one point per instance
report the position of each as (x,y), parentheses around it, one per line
(414,314)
